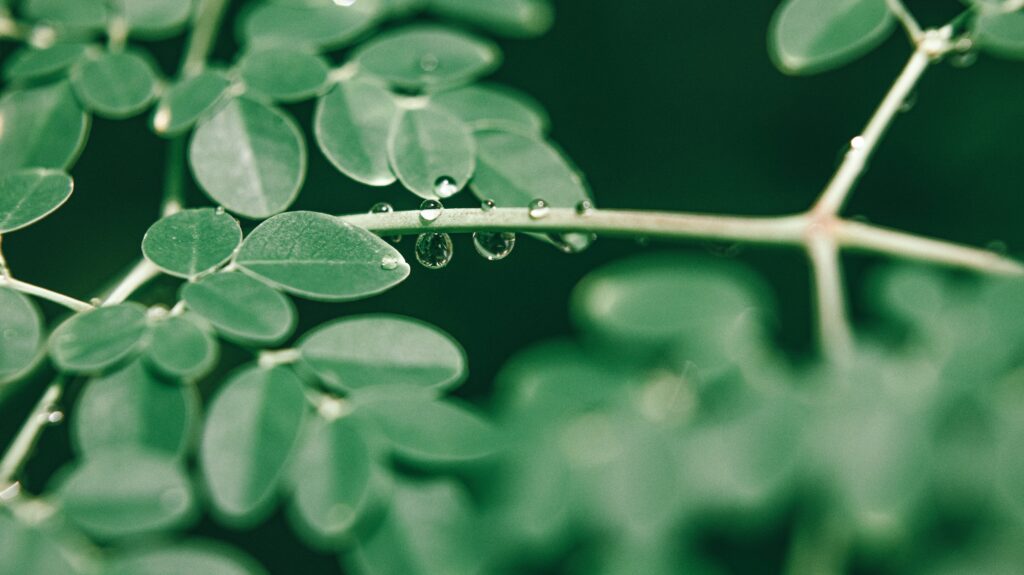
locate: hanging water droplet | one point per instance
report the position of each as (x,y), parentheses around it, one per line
(584,208)
(965,60)
(219,211)
(381,208)
(494,246)
(487,205)
(430,210)
(429,62)
(445,187)
(909,103)
(388,263)
(54,417)
(539,209)
(572,243)
(434,250)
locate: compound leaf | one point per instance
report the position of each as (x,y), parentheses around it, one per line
(241,308)
(27,196)
(43,128)
(250,158)
(192,242)
(351,126)
(115,84)
(251,429)
(93,340)
(810,36)
(375,350)
(432,152)
(321,257)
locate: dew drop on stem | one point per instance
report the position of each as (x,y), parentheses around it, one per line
(388,263)
(434,250)
(381,208)
(445,187)
(584,208)
(430,210)
(487,205)
(539,209)
(494,246)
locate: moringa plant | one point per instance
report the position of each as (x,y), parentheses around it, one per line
(612,452)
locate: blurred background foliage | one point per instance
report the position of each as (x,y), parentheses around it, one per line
(739,459)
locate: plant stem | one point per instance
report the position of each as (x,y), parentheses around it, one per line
(40,292)
(139,275)
(204,32)
(834,330)
(20,449)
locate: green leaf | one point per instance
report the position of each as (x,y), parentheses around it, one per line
(266,153)
(189,99)
(21,334)
(123,492)
(251,430)
(376,350)
(319,25)
(516,18)
(284,74)
(192,242)
(34,63)
(515,169)
(1001,33)
(189,558)
(27,196)
(811,36)
(321,257)
(155,18)
(352,125)
(131,408)
(182,349)
(427,57)
(80,14)
(431,152)
(430,530)
(332,480)
(93,340)
(43,128)
(115,84)
(242,309)
(492,107)
(34,548)
(431,431)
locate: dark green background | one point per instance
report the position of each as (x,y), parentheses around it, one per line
(665,105)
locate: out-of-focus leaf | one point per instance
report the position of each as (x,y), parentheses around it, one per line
(43,128)
(131,408)
(321,257)
(115,84)
(1001,33)
(250,433)
(179,347)
(21,334)
(322,25)
(810,36)
(493,107)
(250,158)
(516,18)
(352,125)
(515,169)
(155,18)
(284,74)
(78,14)
(27,196)
(32,63)
(35,548)
(431,431)
(192,242)
(242,309)
(193,557)
(432,152)
(93,340)
(186,101)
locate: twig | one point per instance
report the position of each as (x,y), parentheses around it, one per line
(20,449)
(40,292)
(204,33)
(139,275)
(906,19)
(834,330)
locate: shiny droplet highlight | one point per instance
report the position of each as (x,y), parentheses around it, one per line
(494,246)
(434,250)
(539,209)
(430,210)
(446,187)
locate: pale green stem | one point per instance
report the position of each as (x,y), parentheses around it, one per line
(906,19)
(834,330)
(43,293)
(20,449)
(204,33)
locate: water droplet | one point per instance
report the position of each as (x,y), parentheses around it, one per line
(220,210)
(909,103)
(965,60)
(584,208)
(858,143)
(10,492)
(487,205)
(395,239)
(434,250)
(494,246)
(55,417)
(445,187)
(388,263)
(381,208)
(96,302)
(162,119)
(429,62)
(572,243)
(430,210)
(539,209)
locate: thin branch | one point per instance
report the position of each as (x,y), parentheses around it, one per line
(834,330)
(906,19)
(662,225)
(861,147)
(43,293)
(204,33)
(139,275)
(901,245)
(21,448)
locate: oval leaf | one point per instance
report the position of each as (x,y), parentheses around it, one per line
(332,474)
(250,158)
(517,18)
(132,409)
(484,107)
(118,493)
(92,340)
(155,18)
(352,125)
(321,257)
(283,73)
(21,334)
(426,57)
(431,431)
(431,152)
(192,242)
(328,26)
(43,128)
(116,84)
(34,548)
(515,169)
(810,36)
(180,348)
(185,102)
(251,430)
(377,350)
(80,14)
(189,558)
(242,309)
(27,196)
(32,63)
